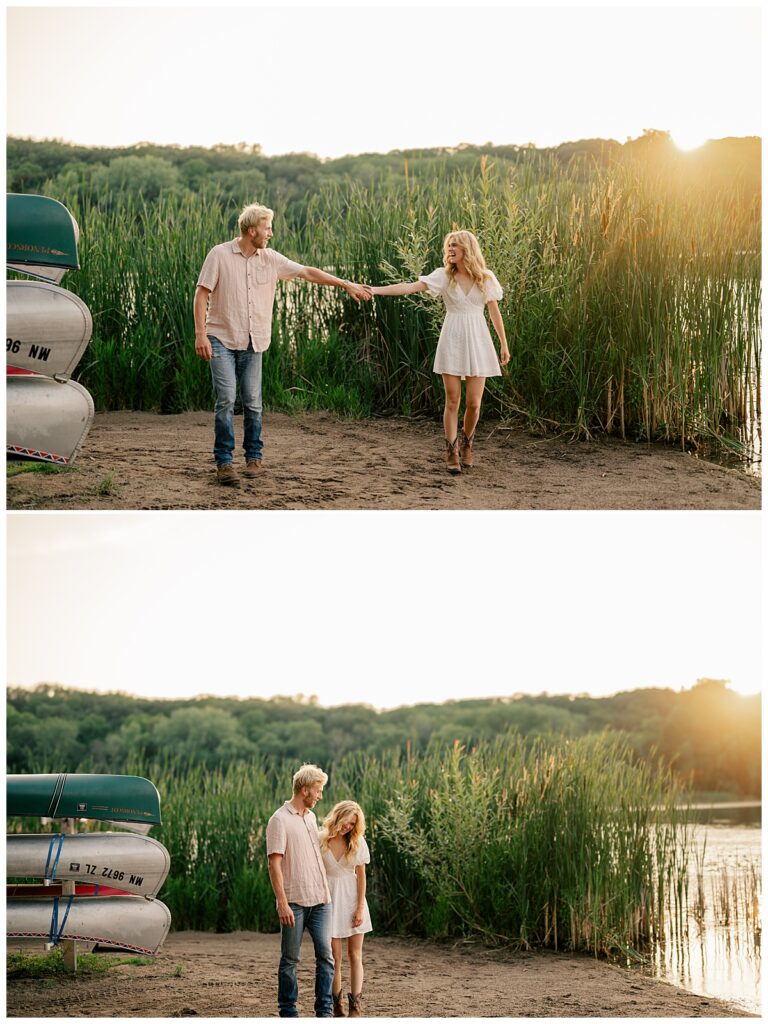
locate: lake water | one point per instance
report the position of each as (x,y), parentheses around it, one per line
(717,953)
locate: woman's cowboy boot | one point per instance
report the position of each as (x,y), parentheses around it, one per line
(355,1005)
(338,1005)
(465,451)
(452,462)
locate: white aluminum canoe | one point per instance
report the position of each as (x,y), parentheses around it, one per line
(120,922)
(47,328)
(46,419)
(137,864)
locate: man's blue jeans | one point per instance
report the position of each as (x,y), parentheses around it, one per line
(228,370)
(317,921)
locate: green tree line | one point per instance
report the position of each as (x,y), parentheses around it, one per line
(242,173)
(708,733)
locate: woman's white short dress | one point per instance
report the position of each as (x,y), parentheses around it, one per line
(342,882)
(465,347)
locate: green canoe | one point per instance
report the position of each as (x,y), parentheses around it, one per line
(128,799)
(40,233)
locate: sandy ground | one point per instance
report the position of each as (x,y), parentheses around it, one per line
(200,974)
(318,461)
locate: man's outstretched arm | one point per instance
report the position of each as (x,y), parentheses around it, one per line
(317,276)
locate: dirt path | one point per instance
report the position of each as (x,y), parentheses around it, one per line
(318,461)
(199,974)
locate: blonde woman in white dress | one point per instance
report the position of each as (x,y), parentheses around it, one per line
(465,349)
(345,854)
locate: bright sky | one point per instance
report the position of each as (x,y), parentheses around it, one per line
(377,607)
(333,80)
(383,608)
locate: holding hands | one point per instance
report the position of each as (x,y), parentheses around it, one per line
(358,291)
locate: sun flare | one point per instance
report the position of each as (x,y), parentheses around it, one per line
(688,138)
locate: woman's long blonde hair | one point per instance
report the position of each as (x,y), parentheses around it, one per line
(473,257)
(333,821)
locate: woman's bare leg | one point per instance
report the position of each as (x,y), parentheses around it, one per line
(475,388)
(452,386)
(355,954)
(338,954)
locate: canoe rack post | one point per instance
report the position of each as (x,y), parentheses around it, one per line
(69,946)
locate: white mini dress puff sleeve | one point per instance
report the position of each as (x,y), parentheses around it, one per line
(465,347)
(342,881)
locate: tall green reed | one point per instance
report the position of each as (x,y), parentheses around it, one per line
(632,300)
(568,845)
(214,828)
(631,307)
(139,265)
(561,844)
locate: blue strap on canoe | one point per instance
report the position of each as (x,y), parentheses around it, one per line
(54,920)
(48,858)
(55,933)
(58,838)
(66,915)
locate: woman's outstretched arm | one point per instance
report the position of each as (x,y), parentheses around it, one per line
(404,288)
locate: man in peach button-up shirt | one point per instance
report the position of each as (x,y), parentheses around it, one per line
(233,325)
(303,899)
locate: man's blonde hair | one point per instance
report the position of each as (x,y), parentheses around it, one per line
(252,215)
(308,775)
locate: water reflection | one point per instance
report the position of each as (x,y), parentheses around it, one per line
(747,460)
(713,946)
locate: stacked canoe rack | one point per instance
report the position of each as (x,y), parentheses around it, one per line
(47,331)
(97,889)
